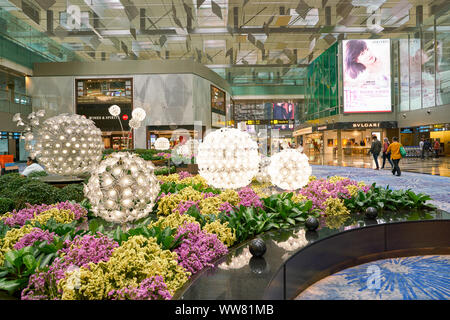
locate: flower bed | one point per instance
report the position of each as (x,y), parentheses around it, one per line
(61,251)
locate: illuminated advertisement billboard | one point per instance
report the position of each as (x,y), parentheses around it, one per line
(367,75)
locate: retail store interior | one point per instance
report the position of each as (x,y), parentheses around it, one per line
(241,150)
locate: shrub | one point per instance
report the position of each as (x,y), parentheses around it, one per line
(36,192)
(37,174)
(6,205)
(11,182)
(72,192)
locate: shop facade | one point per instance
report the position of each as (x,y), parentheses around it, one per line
(173,94)
(411,136)
(350,138)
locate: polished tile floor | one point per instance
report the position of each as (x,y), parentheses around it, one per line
(439,166)
(408,278)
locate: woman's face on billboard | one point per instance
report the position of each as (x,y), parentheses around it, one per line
(366,58)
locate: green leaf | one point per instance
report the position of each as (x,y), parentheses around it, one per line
(30,262)
(380,204)
(11,256)
(290,221)
(93,226)
(10,285)
(46,260)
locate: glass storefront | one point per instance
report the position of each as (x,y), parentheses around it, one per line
(95,96)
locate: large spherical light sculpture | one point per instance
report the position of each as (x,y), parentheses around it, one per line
(289,169)
(228,158)
(122,188)
(68,145)
(162,144)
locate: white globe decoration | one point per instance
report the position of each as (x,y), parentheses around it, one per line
(228,158)
(134,123)
(123,188)
(138,114)
(67,144)
(289,169)
(162,144)
(114,110)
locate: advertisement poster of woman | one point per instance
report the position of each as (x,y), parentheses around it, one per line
(367,75)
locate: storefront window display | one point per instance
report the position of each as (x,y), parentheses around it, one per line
(95,96)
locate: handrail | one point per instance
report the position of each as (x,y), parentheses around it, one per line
(15,97)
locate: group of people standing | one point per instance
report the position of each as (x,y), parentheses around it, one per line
(425,146)
(391,152)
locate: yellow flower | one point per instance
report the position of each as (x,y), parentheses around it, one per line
(136,259)
(197,179)
(352,189)
(60,216)
(210,205)
(11,238)
(168,204)
(230,196)
(191,194)
(335,179)
(335,207)
(169,178)
(223,232)
(173,220)
(297,197)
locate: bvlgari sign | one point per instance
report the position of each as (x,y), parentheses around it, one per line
(357,125)
(366,125)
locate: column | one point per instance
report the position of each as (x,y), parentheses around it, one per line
(339,145)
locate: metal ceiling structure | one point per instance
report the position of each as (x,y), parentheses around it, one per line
(248,41)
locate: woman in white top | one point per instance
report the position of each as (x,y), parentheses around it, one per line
(32,166)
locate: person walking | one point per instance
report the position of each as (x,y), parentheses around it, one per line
(436,147)
(385,154)
(394,149)
(375,149)
(427,147)
(422,149)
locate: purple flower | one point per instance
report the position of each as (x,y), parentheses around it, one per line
(249,198)
(198,248)
(19,218)
(183,206)
(226,206)
(76,253)
(153,288)
(184,174)
(35,235)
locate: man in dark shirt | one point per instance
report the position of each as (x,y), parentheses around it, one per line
(375,149)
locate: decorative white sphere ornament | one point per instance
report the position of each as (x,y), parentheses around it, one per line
(289,169)
(139,114)
(114,110)
(162,144)
(228,158)
(122,188)
(67,144)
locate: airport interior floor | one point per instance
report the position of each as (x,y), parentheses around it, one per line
(434,166)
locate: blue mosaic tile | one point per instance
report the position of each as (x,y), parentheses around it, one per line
(408,278)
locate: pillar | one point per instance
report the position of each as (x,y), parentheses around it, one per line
(339,145)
